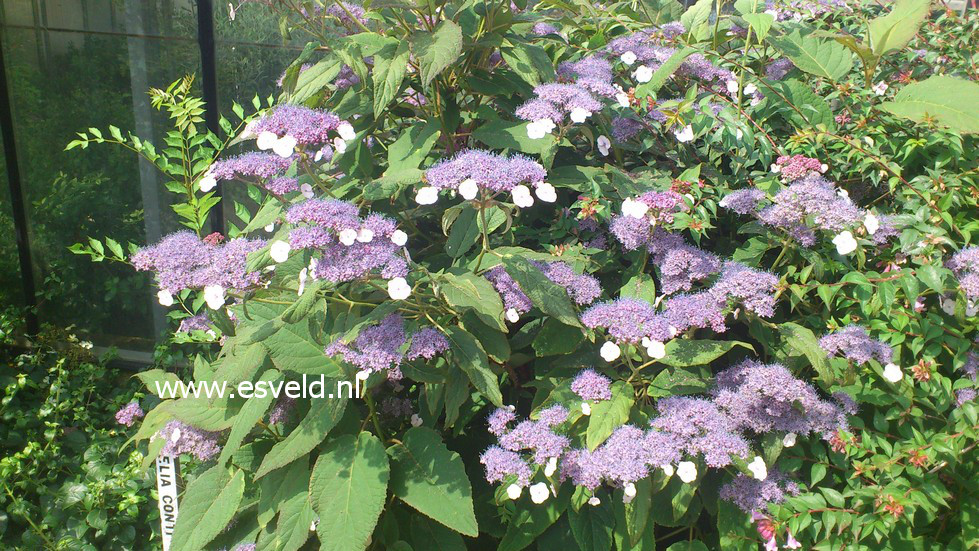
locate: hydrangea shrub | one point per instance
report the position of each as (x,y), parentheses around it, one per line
(626,276)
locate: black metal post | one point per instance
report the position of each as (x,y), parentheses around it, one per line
(17,200)
(209,85)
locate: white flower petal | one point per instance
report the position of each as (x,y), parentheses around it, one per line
(399,238)
(628,58)
(687,471)
(398,288)
(427,195)
(643,74)
(266,140)
(214,296)
(604,145)
(164,297)
(892,373)
(285,146)
(546,192)
(468,189)
(539,493)
(346,131)
(758,468)
(845,243)
(513,491)
(610,351)
(279,251)
(348,237)
(789,439)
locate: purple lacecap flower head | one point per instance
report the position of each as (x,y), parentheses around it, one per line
(778,69)
(753,289)
(681,265)
(427,343)
(500,420)
(630,231)
(971,365)
(282,409)
(281,185)
(751,494)
(627,320)
(282,77)
(697,310)
(182,438)
(593,73)
(796,167)
(764,398)
(699,427)
(853,343)
(513,297)
(888,230)
(811,202)
(129,414)
(743,201)
(376,348)
(965,265)
(344,10)
(552,416)
(414,97)
(624,129)
(537,437)
(501,463)
(541,28)
(250,166)
(346,78)
(199,322)
(490,171)
(308,126)
(555,100)
(592,385)
(964,396)
(182,260)
(330,213)
(581,288)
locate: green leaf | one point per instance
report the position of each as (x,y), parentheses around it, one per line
(292,527)
(411,147)
(529,61)
(292,348)
(437,50)
(949,101)
(267,214)
(804,342)
(323,415)
(246,419)
(280,487)
(390,65)
(208,504)
(813,55)
(638,512)
(556,339)
(464,233)
(314,79)
(931,275)
(761,23)
(551,298)
(608,415)
(157,377)
(696,18)
(661,11)
(592,526)
(894,30)
(734,527)
(349,487)
(474,363)
(429,477)
(467,291)
(692,545)
(746,7)
(664,72)
(500,134)
(799,105)
(426,534)
(531,522)
(687,353)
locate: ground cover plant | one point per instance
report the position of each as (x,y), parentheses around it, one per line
(628,275)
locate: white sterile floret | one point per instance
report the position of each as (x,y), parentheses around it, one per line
(539,493)
(758,468)
(285,146)
(164,297)
(512,315)
(546,192)
(594,501)
(667,470)
(513,491)
(339,144)
(270,228)
(521,196)
(732,86)
(266,140)
(346,131)
(643,74)
(365,235)
(738,133)
(427,195)
(468,189)
(630,490)
(207,182)
(604,145)
(622,99)
(306,190)
(175,435)
(687,471)
(416,421)
(789,439)
(585,409)
(610,351)
(348,237)
(551,467)
(845,243)
(892,373)
(540,128)
(303,274)
(214,296)
(684,134)
(399,238)
(871,222)
(880,88)
(398,288)
(579,115)
(628,58)
(635,209)
(823,168)
(279,251)
(656,350)
(750,89)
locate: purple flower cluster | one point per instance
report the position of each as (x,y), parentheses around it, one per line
(308,126)
(182,438)
(343,12)
(753,289)
(500,464)
(282,409)
(624,129)
(250,167)
(964,396)
(129,414)
(181,260)
(542,28)
(200,322)
(680,265)
(376,348)
(853,343)
(648,47)
(537,437)
(554,101)
(500,420)
(811,200)
(778,69)
(581,288)
(350,247)
(593,73)
(396,406)
(628,320)
(743,201)
(797,167)
(965,265)
(489,170)
(427,343)
(695,426)
(751,494)
(592,385)
(624,458)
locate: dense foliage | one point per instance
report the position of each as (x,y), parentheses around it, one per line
(625,275)
(68,482)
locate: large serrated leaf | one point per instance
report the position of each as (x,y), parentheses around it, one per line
(608,415)
(390,65)
(551,298)
(591,526)
(349,485)
(468,291)
(249,415)
(893,31)
(429,477)
(323,415)
(664,72)
(688,353)
(437,50)
(473,362)
(528,61)
(813,55)
(949,101)
(207,506)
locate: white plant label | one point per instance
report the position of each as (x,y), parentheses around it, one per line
(166,487)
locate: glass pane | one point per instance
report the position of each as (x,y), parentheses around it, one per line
(75,64)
